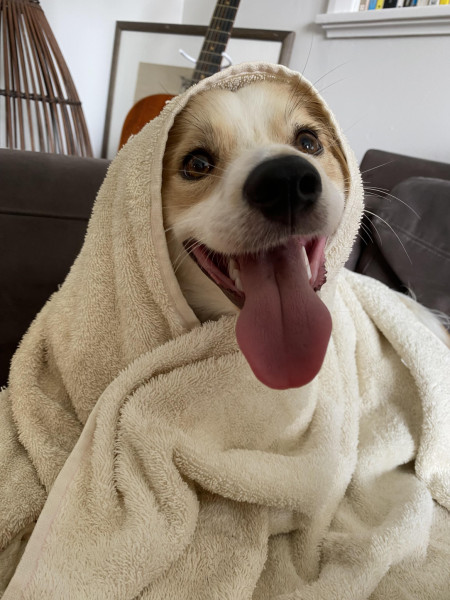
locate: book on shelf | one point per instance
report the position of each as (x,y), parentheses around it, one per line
(335,6)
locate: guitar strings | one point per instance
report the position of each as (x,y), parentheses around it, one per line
(216,36)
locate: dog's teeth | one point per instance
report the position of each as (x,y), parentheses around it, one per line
(307,265)
(232,268)
(234,274)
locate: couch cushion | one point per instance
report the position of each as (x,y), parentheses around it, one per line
(45,204)
(381,172)
(410,247)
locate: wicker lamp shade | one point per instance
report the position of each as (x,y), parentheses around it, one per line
(39,105)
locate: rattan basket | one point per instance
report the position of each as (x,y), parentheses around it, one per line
(39,105)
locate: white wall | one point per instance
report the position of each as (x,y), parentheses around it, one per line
(388,93)
(84,30)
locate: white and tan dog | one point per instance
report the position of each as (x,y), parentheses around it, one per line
(254,184)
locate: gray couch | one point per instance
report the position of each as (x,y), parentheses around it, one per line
(405,235)
(46,200)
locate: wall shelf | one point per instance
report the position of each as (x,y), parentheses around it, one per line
(392,22)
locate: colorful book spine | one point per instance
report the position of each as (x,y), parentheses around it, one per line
(379,4)
(372,4)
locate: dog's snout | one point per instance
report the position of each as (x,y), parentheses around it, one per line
(283,187)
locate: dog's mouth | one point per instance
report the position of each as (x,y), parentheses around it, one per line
(283,328)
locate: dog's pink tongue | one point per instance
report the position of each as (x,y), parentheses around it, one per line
(283,328)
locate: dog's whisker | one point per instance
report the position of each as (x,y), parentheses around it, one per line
(384,193)
(377,167)
(347,129)
(371,169)
(189,248)
(391,228)
(366,230)
(170,229)
(311,86)
(375,229)
(364,241)
(334,83)
(330,71)
(309,54)
(378,234)
(177,267)
(178,259)
(184,254)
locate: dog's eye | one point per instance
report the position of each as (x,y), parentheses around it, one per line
(197,164)
(308,142)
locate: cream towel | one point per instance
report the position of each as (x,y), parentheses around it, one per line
(161,468)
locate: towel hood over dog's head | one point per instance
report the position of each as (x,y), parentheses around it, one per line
(122,297)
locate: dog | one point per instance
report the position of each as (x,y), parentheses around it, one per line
(254,184)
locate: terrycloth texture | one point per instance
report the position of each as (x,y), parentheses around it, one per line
(161,468)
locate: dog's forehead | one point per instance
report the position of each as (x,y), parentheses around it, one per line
(263,109)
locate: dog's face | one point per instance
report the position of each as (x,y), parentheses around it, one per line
(254,183)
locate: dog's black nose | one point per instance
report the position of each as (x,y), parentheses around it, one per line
(283,187)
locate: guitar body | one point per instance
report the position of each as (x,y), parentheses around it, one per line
(141,113)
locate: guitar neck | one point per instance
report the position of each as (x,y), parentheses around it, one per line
(216,39)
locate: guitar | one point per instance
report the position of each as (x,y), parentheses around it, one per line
(208,63)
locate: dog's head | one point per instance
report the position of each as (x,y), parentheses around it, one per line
(254,184)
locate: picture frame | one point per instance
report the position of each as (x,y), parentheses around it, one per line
(146,60)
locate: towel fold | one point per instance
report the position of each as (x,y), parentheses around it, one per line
(157,466)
